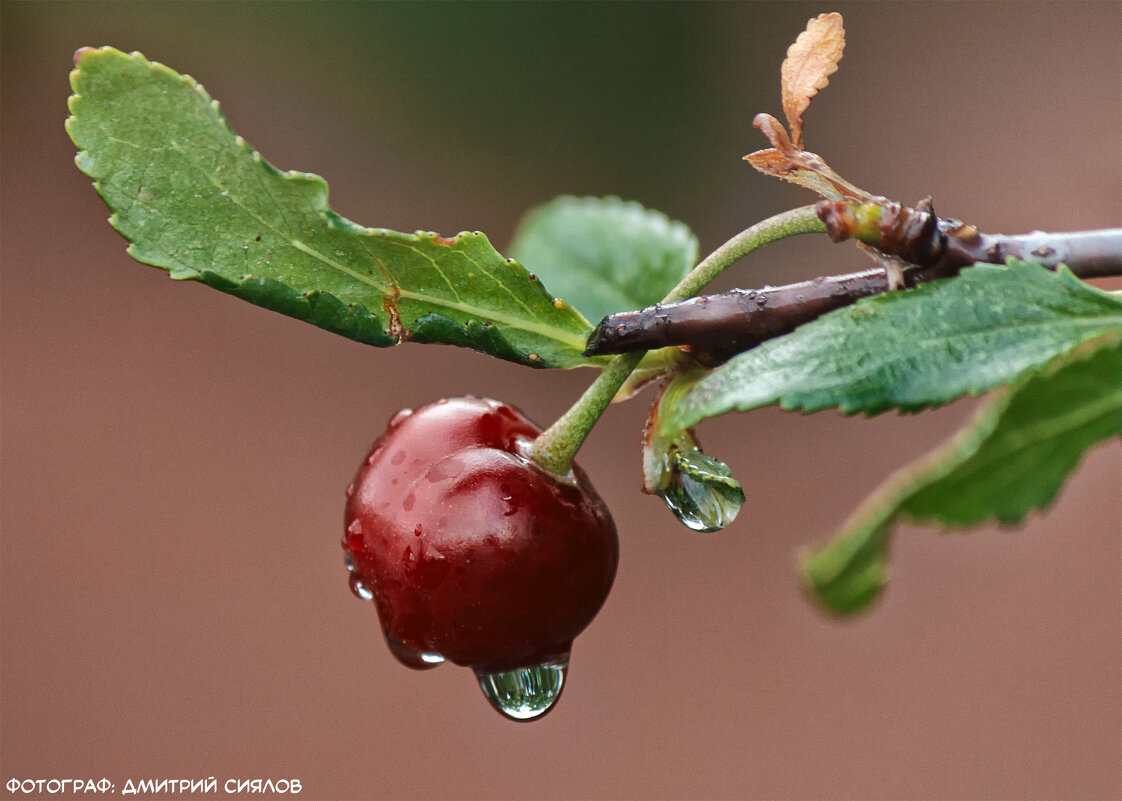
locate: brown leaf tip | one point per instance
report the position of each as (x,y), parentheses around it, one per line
(810,62)
(773,130)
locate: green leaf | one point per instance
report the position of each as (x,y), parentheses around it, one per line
(1010,459)
(848,573)
(194,199)
(604,255)
(1040,431)
(923,347)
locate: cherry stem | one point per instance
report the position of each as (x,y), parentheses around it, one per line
(803,220)
(555,448)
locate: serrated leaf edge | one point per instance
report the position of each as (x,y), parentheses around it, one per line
(675,231)
(680,421)
(331,219)
(876,515)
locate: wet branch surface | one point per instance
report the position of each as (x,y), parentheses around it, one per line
(716,327)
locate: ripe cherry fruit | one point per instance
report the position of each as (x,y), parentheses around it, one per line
(474,554)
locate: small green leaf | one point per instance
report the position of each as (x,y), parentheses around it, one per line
(604,255)
(848,573)
(1010,459)
(923,347)
(194,199)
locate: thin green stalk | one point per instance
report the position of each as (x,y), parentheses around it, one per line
(803,220)
(555,448)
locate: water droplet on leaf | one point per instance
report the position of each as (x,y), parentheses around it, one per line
(525,693)
(702,492)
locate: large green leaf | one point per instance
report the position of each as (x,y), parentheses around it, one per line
(604,255)
(912,349)
(1010,459)
(197,201)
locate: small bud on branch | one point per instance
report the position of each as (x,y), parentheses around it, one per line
(945,246)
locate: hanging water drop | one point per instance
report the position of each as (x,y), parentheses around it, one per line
(360,589)
(400,417)
(525,693)
(355,536)
(411,657)
(349,563)
(702,493)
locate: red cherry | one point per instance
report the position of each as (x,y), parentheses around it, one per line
(474,554)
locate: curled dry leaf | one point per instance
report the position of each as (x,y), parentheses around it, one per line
(803,168)
(773,130)
(810,62)
(816,176)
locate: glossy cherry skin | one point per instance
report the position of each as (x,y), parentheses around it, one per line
(470,551)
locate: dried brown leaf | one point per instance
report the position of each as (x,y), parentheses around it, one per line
(808,170)
(775,133)
(769,162)
(810,62)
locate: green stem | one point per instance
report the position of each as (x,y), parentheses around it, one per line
(803,220)
(555,448)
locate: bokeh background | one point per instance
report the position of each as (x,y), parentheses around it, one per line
(174,603)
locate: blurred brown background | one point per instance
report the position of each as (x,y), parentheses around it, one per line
(174,603)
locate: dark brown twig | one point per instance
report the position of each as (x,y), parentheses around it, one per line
(716,327)
(720,326)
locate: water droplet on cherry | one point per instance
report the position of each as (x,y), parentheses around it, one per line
(525,693)
(359,589)
(354,539)
(411,657)
(400,417)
